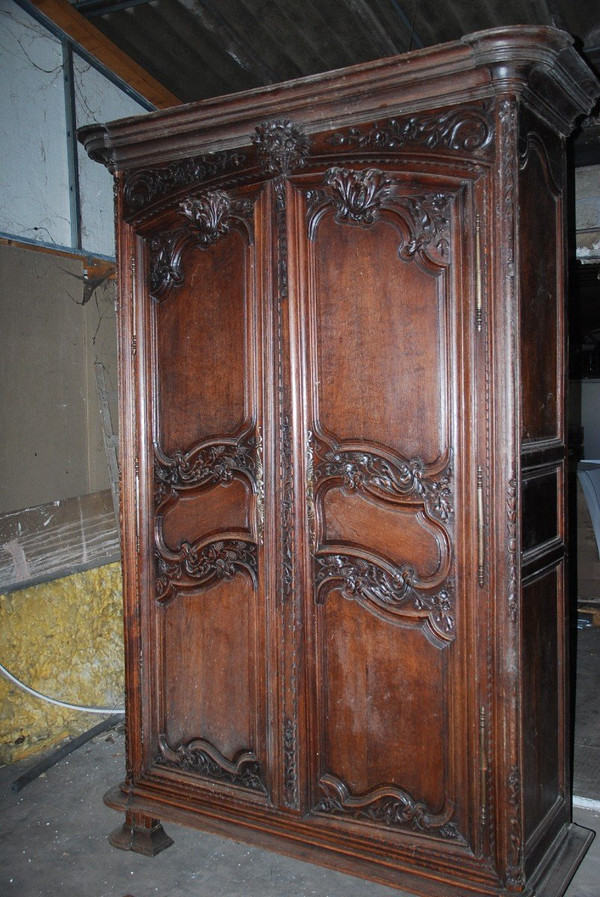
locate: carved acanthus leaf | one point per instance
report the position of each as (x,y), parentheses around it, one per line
(290,761)
(201,757)
(190,567)
(393,590)
(387,805)
(144,186)
(210,215)
(465,129)
(281,146)
(365,470)
(357,195)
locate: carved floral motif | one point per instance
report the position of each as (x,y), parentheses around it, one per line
(512,518)
(430,220)
(201,757)
(143,187)
(465,129)
(366,470)
(190,567)
(289,754)
(281,146)
(393,589)
(387,805)
(514,875)
(209,465)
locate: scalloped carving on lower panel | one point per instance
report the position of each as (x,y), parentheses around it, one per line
(389,806)
(193,566)
(385,588)
(202,758)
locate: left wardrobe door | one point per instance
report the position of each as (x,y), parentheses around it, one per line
(200,689)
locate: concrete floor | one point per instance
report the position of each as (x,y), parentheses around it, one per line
(53,832)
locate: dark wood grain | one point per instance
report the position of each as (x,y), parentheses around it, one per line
(342,365)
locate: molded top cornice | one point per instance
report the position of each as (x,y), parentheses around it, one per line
(536,64)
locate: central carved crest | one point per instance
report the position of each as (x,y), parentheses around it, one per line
(281,146)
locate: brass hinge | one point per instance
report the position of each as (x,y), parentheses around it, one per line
(478,278)
(137,503)
(483,765)
(480,529)
(310,488)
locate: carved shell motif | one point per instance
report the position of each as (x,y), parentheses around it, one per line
(360,196)
(357,195)
(209,215)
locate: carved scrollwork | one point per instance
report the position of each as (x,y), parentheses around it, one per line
(165,263)
(465,129)
(360,197)
(201,757)
(281,146)
(363,470)
(387,805)
(209,465)
(392,589)
(209,217)
(357,195)
(191,566)
(287,509)
(142,187)
(512,521)
(430,224)
(515,876)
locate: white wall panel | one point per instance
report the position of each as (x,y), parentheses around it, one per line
(34,182)
(97,99)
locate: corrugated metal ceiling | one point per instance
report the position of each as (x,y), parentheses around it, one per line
(205,48)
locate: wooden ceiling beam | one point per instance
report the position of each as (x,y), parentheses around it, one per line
(75,26)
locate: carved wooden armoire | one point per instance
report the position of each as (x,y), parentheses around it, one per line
(342,349)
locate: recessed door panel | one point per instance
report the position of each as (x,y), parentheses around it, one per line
(201,333)
(378,341)
(383,704)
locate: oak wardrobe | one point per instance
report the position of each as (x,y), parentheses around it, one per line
(342,385)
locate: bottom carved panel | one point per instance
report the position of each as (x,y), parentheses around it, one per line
(201,757)
(388,806)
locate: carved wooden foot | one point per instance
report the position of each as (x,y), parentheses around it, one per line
(140,834)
